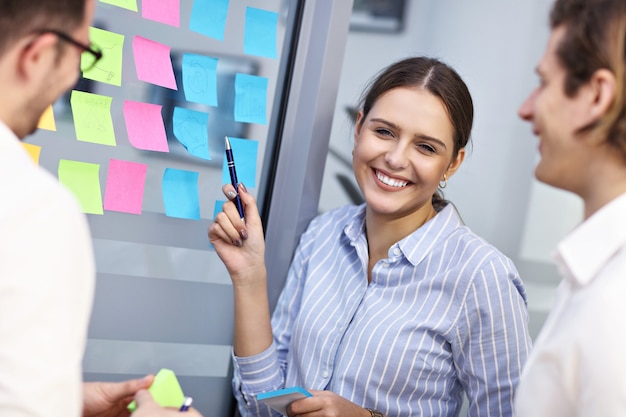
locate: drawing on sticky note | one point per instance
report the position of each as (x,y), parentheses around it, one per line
(190,128)
(109,68)
(250,99)
(92,118)
(200,79)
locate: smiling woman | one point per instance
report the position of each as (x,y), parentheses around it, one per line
(397,280)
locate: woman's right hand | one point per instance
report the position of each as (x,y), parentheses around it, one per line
(241,246)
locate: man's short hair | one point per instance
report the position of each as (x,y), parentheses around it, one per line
(19,18)
(595,38)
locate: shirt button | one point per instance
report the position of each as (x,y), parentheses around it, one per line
(386,264)
(397,251)
(325,374)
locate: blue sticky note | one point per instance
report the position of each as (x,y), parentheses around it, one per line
(200,79)
(218,207)
(244,153)
(260,33)
(180,194)
(250,99)
(191,129)
(208,17)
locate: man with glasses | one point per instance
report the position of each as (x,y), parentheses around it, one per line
(47,268)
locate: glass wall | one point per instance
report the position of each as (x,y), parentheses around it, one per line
(140,142)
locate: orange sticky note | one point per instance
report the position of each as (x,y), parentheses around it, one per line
(33,151)
(46,121)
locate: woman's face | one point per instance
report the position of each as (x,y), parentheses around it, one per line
(402,150)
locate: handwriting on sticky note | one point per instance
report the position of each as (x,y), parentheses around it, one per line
(92,118)
(250,98)
(245,152)
(125,186)
(208,17)
(163,11)
(180,194)
(260,33)
(109,68)
(191,129)
(153,62)
(200,79)
(145,127)
(83,180)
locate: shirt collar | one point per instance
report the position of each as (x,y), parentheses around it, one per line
(585,251)
(418,244)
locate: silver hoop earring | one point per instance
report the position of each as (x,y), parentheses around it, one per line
(445,182)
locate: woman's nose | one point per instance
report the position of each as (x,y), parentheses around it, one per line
(396,156)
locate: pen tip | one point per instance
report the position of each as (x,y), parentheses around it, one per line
(227,142)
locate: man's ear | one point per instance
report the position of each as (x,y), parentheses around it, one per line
(601,90)
(40,51)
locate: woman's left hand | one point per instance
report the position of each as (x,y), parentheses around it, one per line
(325,404)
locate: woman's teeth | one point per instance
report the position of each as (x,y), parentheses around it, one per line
(390,181)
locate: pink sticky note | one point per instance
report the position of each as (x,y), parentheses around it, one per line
(163,11)
(144,124)
(153,62)
(125,185)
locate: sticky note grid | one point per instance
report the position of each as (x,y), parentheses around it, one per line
(144,124)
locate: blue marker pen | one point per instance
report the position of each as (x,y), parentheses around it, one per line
(233,178)
(186,404)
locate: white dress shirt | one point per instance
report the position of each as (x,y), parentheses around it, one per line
(47,278)
(578,364)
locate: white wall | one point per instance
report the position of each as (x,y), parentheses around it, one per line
(495,46)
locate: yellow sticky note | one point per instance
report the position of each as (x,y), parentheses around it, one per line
(165,390)
(109,68)
(46,121)
(83,180)
(33,151)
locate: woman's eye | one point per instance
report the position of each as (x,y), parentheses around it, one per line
(384,132)
(426,147)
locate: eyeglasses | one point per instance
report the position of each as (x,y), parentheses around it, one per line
(90,56)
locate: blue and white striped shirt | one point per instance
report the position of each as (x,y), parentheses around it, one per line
(444,313)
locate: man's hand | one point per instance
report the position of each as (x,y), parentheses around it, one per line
(110,399)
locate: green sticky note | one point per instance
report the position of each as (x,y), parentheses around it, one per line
(83,180)
(109,68)
(126,4)
(92,118)
(165,390)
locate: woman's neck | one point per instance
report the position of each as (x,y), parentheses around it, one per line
(384,231)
